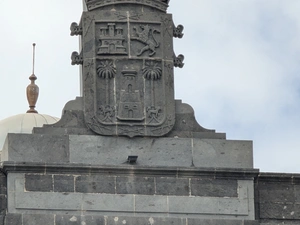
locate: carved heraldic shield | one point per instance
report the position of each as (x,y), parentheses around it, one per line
(127,65)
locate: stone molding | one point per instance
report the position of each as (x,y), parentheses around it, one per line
(73,168)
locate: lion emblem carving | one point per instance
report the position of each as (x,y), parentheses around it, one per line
(146,36)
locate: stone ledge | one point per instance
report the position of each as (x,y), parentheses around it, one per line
(77,168)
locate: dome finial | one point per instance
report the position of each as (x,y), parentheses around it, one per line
(32,90)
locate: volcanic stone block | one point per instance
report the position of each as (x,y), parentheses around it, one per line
(48,201)
(213,187)
(222,153)
(151,204)
(64,183)
(135,185)
(251,222)
(95,184)
(192,221)
(297,193)
(108,202)
(36,148)
(115,150)
(3,184)
(208,205)
(172,186)
(38,182)
(3,204)
(38,219)
(272,210)
(276,192)
(280,222)
(13,219)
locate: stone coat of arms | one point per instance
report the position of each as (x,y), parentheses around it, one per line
(127,65)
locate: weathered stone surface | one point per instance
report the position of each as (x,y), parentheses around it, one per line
(3,204)
(13,219)
(135,185)
(222,153)
(114,151)
(63,183)
(3,196)
(36,148)
(3,183)
(95,184)
(67,220)
(297,192)
(120,220)
(92,220)
(186,125)
(172,186)
(279,201)
(38,219)
(215,222)
(214,188)
(280,222)
(162,152)
(276,192)
(38,182)
(248,222)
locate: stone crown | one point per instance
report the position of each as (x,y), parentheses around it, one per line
(158,4)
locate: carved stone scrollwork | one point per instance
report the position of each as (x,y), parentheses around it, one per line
(75,29)
(76,58)
(177,31)
(178,61)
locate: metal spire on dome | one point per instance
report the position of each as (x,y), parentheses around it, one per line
(32,89)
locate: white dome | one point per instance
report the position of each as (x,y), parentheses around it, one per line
(23,123)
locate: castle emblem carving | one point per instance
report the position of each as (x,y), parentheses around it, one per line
(128,89)
(111,40)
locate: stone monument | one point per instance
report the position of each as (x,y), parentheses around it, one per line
(127,152)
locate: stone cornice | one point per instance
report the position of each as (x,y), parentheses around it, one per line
(67,168)
(291,178)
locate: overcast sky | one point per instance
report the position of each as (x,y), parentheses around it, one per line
(241,74)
